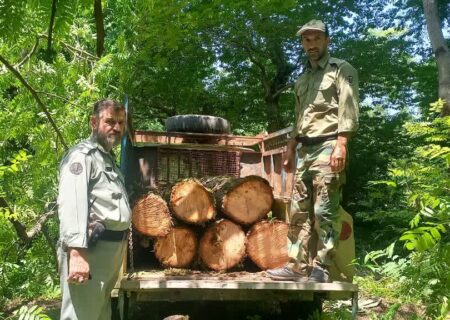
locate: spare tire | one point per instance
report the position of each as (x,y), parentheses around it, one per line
(197,124)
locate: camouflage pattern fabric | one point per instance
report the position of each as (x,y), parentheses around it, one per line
(314,206)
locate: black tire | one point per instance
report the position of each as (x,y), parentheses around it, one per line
(197,124)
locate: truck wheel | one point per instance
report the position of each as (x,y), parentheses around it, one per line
(197,124)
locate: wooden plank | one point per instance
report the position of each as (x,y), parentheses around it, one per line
(275,151)
(278,133)
(196,146)
(174,295)
(179,137)
(267,168)
(250,164)
(277,179)
(157,280)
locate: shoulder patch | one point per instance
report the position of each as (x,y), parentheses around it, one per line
(349,79)
(76,168)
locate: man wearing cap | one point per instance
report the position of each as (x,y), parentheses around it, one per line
(94,218)
(326,110)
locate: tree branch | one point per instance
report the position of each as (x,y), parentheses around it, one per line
(72,48)
(40,223)
(28,56)
(264,78)
(98,15)
(36,97)
(282,89)
(21,230)
(59,97)
(50,28)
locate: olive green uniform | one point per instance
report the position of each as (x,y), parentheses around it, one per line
(91,189)
(326,105)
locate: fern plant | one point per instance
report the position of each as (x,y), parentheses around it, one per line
(422,185)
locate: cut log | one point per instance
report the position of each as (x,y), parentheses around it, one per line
(267,244)
(191,202)
(244,200)
(178,248)
(223,245)
(151,216)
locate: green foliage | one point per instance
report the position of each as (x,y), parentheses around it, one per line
(28,313)
(421,187)
(211,57)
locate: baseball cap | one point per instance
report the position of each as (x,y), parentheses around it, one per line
(312,25)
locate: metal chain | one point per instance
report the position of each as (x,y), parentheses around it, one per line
(130,251)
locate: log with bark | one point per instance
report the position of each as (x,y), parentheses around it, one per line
(151,216)
(222,245)
(178,249)
(267,244)
(191,202)
(244,200)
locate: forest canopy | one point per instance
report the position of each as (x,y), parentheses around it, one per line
(238,60)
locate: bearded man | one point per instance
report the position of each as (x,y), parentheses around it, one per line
(94,216)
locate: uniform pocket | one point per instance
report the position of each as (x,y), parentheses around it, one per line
(326,92)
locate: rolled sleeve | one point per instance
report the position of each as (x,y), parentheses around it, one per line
(73,200)
(348,112)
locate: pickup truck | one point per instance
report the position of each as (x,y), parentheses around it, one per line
(155,159)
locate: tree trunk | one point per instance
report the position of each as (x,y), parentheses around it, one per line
(50,28)
(267,244)
(273,118)
(441,51)
(151,216)
(244,200)
(223,245)
(178,249)
(98,15)
(191,202)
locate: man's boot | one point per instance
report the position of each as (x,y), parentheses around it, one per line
(319,275)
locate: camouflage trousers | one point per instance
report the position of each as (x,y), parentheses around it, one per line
(314,231)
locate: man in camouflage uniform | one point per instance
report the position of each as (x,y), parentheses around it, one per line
(326,96)
(94,218)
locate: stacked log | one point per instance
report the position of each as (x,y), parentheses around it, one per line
(151,216)
(191,202)
(267,244)
(194,204)
(177,249)
(244,200)
(223,245)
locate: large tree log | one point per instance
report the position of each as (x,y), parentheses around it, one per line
(244,200)
(178,248)
(151,216)
(191,202)
(223,245)
(267,244)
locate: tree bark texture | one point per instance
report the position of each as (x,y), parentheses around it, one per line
(178,249)
(50,27)
(440,50)
(151,216)
(191,202)
(222,245)
(267,244)
(244,200)
(98,15)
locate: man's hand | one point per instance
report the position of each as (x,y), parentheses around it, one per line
(288,157)
(338,158)
(78,266)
